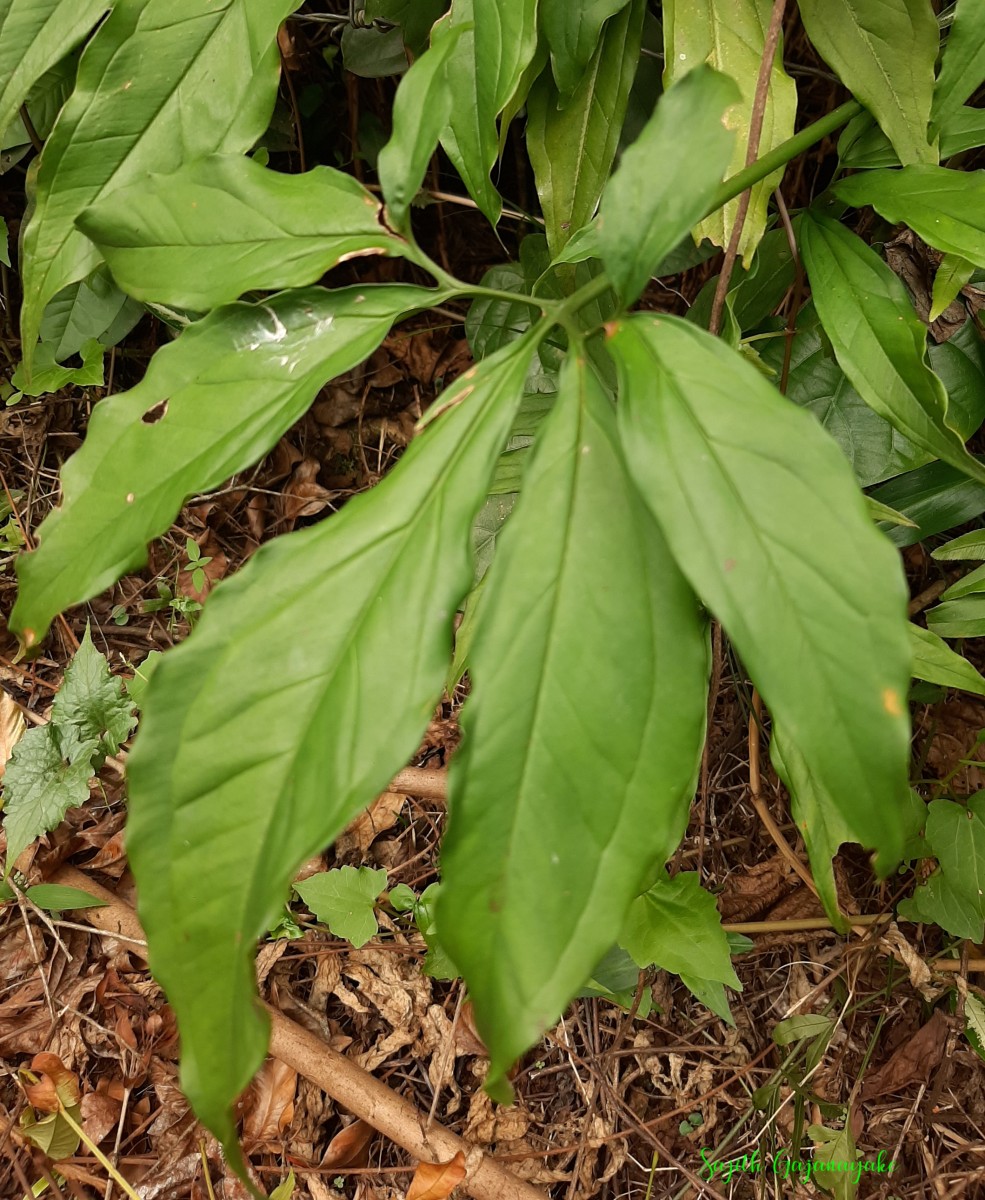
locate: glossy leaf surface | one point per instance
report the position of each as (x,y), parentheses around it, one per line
(34,35)
(644,215)
(211,404)
(212,89)
(731,38)
(946,208)
(224,225)
(879,340)
(734,474)
(572,142)
(231,787)
(582,734)
(885,52)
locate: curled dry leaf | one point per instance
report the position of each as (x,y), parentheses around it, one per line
(437,1181)
(354,841)
(349,1147)
(302,496)
(57,1085)
(12,728)
(271,1107)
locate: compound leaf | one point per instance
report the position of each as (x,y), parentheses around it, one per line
(884,51)
(232,786)
(212,88)
(944,207)
(731,38)
(878,339)
(224,225)
(734,474)
(643,217)
(210,405)
(582,734)
(34,36)
(572,144)
(344,899)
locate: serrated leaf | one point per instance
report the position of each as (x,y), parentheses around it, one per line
(34,36)
(974,1023)
(936,662)
(572,32)
(733,483)
(963,61)
(482,73)
(572,142)
(582,733)
(91,309)
(54,897)
(421,109)
(90,703)
(676,926)
(212,90)
(224,225)
(731,38)
(943,206)
(40,786)
(232,788)
(800,1027)
(211,404)
(884,51)
(951,276)
(879,341)
(642,217)
(344,899)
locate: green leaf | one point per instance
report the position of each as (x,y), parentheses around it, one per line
(40,786)
(944,207)
(884,51)
(285,1189)
(675,925)
(731,38)
(49,376)
(223,225)
(421,109)
(974,1023)
(882,512)
(582,734)
(712,995)
(573,33)
(373,53)
(863,144)
(137,686)
(52,1134)
(958,618)
(834,1161)
(879,341)
(967,546)
(415,18)
(34,35)
(974,581)
(734,474)
(572,144)
(951,276)
(801,1027)
(53,897)
(344,899)
(231,787)
(642,217)
(483,72)
(963,62)
(92,308)
(91,702)
(936,662)
(212,89)
(211,404)
(936,497)
(954,896)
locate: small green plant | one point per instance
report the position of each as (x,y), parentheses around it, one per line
(599,484)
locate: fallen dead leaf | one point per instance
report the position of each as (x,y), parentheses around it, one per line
(302,497)
(57,1085)
(101,1109)
(349,1147)
(913,1062)
(437,1181)
(271,1102)
(356,839)
(12,726)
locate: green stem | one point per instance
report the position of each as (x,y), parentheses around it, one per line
(736,184)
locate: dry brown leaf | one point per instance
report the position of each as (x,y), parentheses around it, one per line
(349,1147)
(381,815)
(302,497)
(913,1062)
(12,726)
(437,1181)
(57,1085)
(101,1109)
(271,1104)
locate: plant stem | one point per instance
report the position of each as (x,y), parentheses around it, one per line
(736,184)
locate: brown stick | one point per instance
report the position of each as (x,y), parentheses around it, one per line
(421,781)
(348,1084)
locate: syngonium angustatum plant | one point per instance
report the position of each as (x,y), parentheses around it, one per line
(648,475)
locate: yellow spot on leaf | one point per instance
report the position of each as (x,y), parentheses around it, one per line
(891,702)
